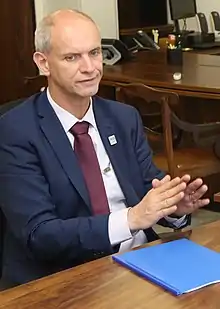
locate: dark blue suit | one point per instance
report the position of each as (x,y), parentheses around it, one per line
(50,226)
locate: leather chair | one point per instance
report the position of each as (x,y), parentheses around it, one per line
(179,147)
(2,227)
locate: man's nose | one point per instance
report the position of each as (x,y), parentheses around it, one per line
(87,64)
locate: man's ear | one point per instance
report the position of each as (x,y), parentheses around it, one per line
(41,61)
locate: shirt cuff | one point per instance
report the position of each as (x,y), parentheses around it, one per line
(118,229)
(177,222)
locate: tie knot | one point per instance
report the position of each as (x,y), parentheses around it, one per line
(80,128)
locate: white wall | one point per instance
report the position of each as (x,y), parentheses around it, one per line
(104,12)
(44,7)
(204,6)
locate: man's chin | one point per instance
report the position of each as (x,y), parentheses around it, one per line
(89,92)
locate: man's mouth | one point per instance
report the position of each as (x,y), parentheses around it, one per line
(88,80)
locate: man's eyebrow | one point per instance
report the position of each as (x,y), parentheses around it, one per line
(98,48)
(78,52)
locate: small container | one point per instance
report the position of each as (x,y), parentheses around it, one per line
(175,56)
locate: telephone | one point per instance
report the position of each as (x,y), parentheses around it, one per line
(125,49)
(114,50)
(144,41)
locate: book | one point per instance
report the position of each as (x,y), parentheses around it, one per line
(179,266)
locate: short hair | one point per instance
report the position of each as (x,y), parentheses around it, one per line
(42,38)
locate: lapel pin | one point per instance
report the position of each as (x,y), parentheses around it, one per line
(112,140)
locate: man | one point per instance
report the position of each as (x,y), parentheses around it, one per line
(77,178)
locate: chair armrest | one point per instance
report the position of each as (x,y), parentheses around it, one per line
(200,132)
(191,127)
(217,197)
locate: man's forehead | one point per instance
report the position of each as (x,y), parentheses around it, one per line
(73,27)
(75,43)
(75,37)
(77,50)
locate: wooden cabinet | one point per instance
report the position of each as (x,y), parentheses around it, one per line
(17,23)
(142,14)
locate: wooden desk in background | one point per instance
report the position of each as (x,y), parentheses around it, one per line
(103,284)
(201,73)
(199,85)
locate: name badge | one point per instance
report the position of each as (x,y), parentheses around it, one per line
(112,140)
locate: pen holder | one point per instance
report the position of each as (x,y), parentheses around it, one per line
(175,56)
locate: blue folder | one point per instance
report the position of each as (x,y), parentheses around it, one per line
(179,266)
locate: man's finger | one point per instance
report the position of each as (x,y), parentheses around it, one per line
(171,201)
(199,193)
(156,182)
(167,211)
(194,186)
(201,203)
(169,185)
(186,178)
(173,191)
(198,204)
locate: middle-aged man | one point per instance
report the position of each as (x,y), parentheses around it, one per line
(76,172)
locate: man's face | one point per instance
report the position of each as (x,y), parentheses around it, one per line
(75,59)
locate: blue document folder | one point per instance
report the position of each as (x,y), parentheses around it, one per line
(179,266)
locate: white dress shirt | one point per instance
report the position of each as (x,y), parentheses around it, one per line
(118,229)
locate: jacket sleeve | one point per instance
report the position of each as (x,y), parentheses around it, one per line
(29,209)
(144,155)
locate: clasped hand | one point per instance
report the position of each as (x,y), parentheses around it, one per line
(177,196)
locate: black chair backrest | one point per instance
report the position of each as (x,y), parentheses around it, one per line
(3,109)
(2,228)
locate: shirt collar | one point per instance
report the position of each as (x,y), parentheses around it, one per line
(67,119)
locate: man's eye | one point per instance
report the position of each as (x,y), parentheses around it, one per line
(70,58)
(95,52)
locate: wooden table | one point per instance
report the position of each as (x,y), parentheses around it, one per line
(200,73)
(105,284)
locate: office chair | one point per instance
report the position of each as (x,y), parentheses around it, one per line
(202,22)
(215,22)
(215,18)
(185,148)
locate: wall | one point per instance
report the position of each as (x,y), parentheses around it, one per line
(105,14)
(204,6)
(44,7)
(102,11)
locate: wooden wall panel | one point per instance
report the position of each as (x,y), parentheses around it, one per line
(17,23)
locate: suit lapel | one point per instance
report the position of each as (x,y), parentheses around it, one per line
(116,152)
(58,140)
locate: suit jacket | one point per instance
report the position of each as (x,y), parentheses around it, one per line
(50,225)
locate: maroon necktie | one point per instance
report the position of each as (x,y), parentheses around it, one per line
(86,155)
